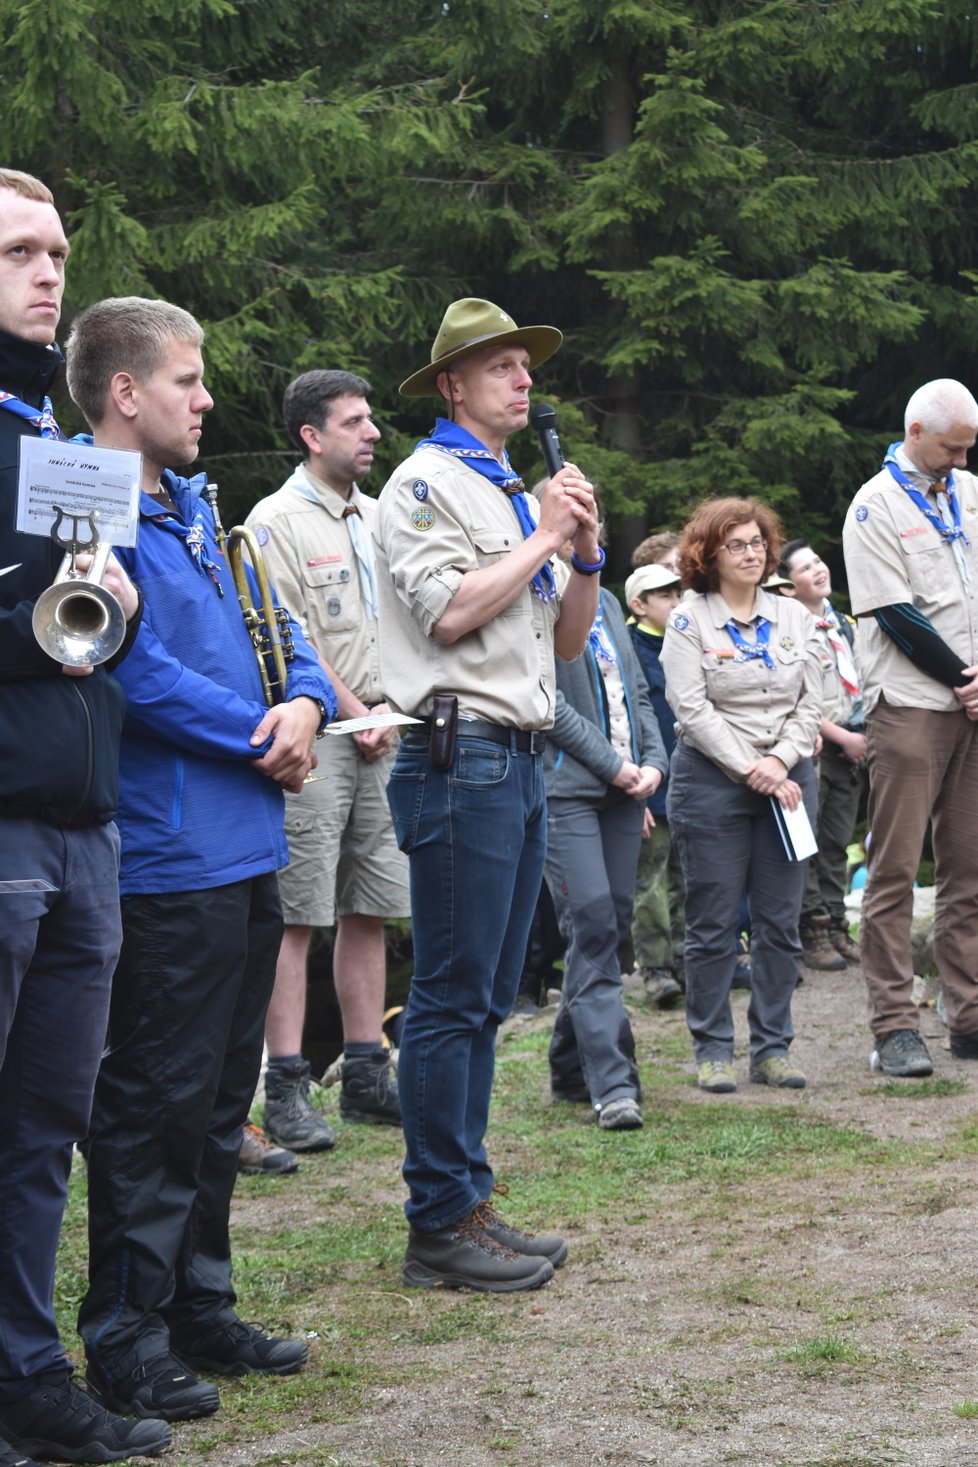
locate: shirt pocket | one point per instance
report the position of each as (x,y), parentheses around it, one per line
(491,545)
(929,562)
(334,591)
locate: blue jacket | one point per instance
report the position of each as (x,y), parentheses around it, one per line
(193,813)
(579,761)
(649,649)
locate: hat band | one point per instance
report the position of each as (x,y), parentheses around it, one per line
(473,341)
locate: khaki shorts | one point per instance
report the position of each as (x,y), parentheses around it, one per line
(343,858)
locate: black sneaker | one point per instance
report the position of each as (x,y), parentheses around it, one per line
(368,1091)
(11,1457)
(291,1119)
(61,1420)
(534,1245)
(231,1347)
(161,1387)
(466,1256)
(902,1052)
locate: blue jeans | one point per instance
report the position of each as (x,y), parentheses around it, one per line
(475,836)
(59,940)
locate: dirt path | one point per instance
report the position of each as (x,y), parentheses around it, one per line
(665,1339)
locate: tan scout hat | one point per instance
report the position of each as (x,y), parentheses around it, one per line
(649,578)
(470,324)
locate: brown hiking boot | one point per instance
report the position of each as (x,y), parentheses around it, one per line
(818,950)
(842,942)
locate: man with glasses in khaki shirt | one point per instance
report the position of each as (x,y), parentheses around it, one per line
(911,549)
(472,608)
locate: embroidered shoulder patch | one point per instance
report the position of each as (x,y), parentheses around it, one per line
(261,535)
(419,489)
(423,517)
(862,513)
(680,621)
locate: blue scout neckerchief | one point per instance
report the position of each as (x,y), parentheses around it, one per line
(599,641)
(948,522)
(41,418)
(454,439)
(748,651)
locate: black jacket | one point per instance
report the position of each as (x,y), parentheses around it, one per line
(59,735)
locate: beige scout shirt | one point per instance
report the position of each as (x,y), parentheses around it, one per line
(313,567)
(437,519)
(893,554)
(734,712)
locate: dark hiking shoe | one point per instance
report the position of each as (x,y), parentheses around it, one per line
(11,1457)
(964,1046)
(661,988)
(902,1052)
(260,1157)
(161,1387)
(64,1422)
(466,1256)
(817,949)
(231,1347)
(842,942)
(368,1091)
(535,1245)
(291,1119)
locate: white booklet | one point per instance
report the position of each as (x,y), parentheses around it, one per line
(795,830)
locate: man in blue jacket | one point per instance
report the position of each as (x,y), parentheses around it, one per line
(203,766)
(59,893)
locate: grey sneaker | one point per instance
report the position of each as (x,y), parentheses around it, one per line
(622,1114)
(260,1157)
(466,1256)
(291,1119)
(902,1052)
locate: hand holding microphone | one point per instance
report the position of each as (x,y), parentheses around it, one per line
(568,500)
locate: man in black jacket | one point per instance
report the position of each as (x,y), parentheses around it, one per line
(59,909)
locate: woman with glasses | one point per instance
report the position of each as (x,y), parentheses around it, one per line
(743,678)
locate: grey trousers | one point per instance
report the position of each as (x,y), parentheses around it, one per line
(592,857)
(728,844)
(840,785)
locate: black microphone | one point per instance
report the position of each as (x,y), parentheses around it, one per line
(544,419)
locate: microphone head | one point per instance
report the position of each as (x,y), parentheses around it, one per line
(542,416)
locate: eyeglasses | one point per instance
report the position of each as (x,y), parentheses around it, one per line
(741,547)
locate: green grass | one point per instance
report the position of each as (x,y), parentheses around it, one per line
(824,1350)
(922,1089)
(967,1410)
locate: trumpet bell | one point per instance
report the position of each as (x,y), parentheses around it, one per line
(79,623)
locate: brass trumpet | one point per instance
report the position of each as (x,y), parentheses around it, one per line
(77,621)
(268,627)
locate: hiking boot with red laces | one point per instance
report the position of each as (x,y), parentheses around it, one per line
(260,1157)
(466,1256)
(535,1245)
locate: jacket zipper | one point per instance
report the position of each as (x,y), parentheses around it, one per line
(90,770)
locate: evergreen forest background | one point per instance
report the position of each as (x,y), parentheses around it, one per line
(755,222)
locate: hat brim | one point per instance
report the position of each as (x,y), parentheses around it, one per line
(540,341)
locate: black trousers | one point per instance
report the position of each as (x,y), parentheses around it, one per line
(185,1041)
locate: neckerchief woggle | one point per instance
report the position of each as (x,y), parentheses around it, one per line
(599,641)
(458,441)
(749,651)
(41,418)
(950,531)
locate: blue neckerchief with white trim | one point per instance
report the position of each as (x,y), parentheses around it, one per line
(749,651)
(41,418)
(599,641)
(947,503)
(459,442)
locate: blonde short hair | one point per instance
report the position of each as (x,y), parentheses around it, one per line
(26,185)
(125,333)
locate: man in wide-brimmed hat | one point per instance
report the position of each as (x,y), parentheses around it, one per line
(473,606)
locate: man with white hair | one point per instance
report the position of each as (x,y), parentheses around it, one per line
(911,548)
